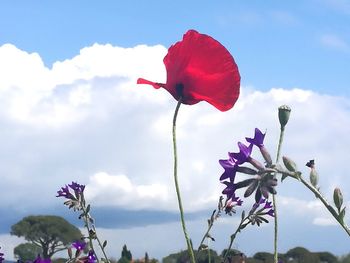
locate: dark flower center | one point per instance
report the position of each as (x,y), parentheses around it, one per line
(179,90)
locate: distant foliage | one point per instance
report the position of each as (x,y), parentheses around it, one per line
(345,259)
(27,251)
(50,233)
(126,255)
(295,255)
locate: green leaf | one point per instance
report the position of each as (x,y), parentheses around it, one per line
(243,215)
(88,209)
(342,214)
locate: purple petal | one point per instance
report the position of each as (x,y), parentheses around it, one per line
(244,153)
(258,139)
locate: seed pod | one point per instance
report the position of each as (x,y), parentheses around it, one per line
(289,164)
(283,115)
(313,177)
(338,198)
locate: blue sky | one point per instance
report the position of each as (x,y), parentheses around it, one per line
(307,41)
(70,110)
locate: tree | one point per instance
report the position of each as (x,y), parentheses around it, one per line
(301,255)
(264,257)
(345,259)
(50,233)
(327,257)
(27,251)
(202,257)
(126,255)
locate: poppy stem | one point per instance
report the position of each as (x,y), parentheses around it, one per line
(274,201)
(188,241)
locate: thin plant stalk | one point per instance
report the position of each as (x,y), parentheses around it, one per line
(326,204)
(210,225)
(233,236)
(91,228)
(87,225)
(189,245)
(274,201)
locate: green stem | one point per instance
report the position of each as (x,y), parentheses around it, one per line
(90,226)
(233,236)
(280,141)
(274,201)
(99,243)
(275,254)
(210,225)
(189,246)
(87,225)
(326,204)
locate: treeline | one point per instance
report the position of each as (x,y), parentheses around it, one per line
(295,255)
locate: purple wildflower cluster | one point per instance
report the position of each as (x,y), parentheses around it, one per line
(1,257)
(41,260)
(263,180)
(74,198)
(263,207)
(79,245)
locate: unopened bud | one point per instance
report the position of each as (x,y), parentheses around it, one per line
(266,155)
(313,177)
(69,250)
(338,198)
(289,164)
(258,165)
(246,170)
(283,115)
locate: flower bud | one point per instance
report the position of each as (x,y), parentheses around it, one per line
(246,170)
(283,115)
(313,177)
(266,155)
(289,164)
(338,198)
(256,164)
(69,250)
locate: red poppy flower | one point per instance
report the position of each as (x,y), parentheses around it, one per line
(199,68)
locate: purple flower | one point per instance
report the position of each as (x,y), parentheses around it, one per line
(243,155)
(79,245)
(64,192)
(256,215)
(91,258)
(230,189)
(267,205)
(230,169)
(1,257)
(41,260)
(258,139)
(78,188)
(262,211)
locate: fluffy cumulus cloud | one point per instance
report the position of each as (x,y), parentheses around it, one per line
(86,120)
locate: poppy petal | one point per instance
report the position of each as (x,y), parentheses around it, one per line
(156,85)
(206,70)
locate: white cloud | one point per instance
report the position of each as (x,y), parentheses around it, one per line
(87,115)
(121,192)
(59,96)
